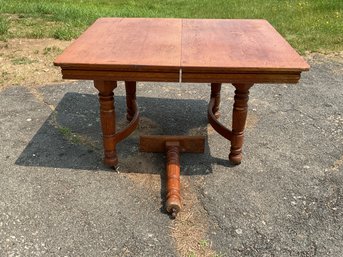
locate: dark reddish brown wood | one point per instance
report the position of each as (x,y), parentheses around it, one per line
(125,132)
(121,75)
(209,77)
(217,126)
(173,199)
(215,93)
(200,77)
(173,146)
(130,87)
(242,52)
(239,115)
(108,119)
(156,143)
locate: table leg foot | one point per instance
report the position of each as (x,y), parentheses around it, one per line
(215,93)
(108,120)
(235,159)
(239,115)
(111,159)
(130,87)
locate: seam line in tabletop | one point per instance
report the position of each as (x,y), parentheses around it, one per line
(180,77)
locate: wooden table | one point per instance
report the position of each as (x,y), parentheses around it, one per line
(241,52)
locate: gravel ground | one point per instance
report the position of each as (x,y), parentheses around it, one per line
(285,199)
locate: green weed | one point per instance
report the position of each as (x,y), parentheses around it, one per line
(69,135)
(204,243)
(66,32)
(3,26)
(52,50)
(192,254)
(22,60)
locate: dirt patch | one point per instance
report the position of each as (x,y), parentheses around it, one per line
(189,229)
(252,120)
(333,56)
(337,164)
(29,62)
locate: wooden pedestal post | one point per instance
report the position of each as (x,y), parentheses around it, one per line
(173,146)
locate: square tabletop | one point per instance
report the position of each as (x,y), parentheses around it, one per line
(190,45)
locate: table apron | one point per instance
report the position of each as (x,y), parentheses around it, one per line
(121,75)
(191,77)
(240,77)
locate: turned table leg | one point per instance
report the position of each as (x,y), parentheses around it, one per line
(173,203)
(239,115)
(108,119)
(215,93)
(173,146)
(130,87)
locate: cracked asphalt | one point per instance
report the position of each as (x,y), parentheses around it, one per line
(285,199)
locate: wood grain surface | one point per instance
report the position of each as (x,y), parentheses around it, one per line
(121,44)
(206,50)
(236,45)
(157,143)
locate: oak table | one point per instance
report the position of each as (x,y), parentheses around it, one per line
(240,52)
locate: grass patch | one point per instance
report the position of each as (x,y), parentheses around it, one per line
(203,243)
(65,131)
(69,135)
(52,50)
(309,25)
(3,77)
(66,32)
(192,254)
(22,60)
(4,26)
(23,26)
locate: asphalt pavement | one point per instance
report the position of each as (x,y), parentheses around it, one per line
(285,199)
